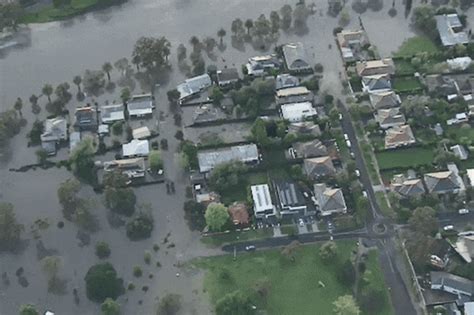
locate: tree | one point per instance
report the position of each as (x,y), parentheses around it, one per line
(151,53)
(173,96)
(227,176)
(344,18)
(102,282)
(194,215)
(248,25)
(286,17)
(35,133)
(140,227)
(216,216)
(48,90)
(346,305)
(118,197)
(41,156)
(122,66)
(423,220)
(216,95)
(423,19)
(125,95)
(170,304)
(347,274)
(275,21)
(235,303)
(68,197)
(82,162)
(28,309)
(102,250)
(237,28)
(209,44)
(51,266)
(110,307)
(221,34)
(62,92)
(155,160)
(35,108)
(77,80)
(10,15)
(93,82)
(328,252)
(10,230)
(259,132)
(18,105)
(107,67)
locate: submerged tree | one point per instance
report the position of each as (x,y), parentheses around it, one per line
(10,230)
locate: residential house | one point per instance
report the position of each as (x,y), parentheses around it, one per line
(470,176)
(319,167)
(351,44)
(465,86)
(112,113)
(140,105)
(459,118)
(297,112)
(284,81)
(407,187)
(450,283)
(464,246)
(459,64)
(193,86)
(309,149)
(460,152)
(239,214)
(296,58)
(329,200)
(390,117)
(441,182)
(259,65)
(384,99)
(207,113)
(74,139)
(375,67)
(292,91)
(379,82)
(55,130)
(304,128)
(86,119)
(208,159)
(141,133)
(262,201)
(450,30)
(399,136)
(440,85)
(290,198)
(132,168)
(136,148)
(227,76)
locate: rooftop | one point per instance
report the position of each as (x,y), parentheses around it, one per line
(330,200)
(310,149)
(226,75)
(284,81)
(208,159)
(295,112)
(289,195)
(194,85)
(140,105)
(398,136)
(449,280)
(111,113)
(449,27)
(136,148)
(295,57)
(261,198)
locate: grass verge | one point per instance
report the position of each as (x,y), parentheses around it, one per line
(234,236)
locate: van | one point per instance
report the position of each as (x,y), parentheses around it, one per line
(463,211)
(348,143)
(346,137)
(448,228)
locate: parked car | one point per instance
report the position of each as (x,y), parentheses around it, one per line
(352,155)
(250,248)
(463,211)
(301,222)
(340,116)
(346,137)
(357,172)
(364,193)
(348,143)
(448,228)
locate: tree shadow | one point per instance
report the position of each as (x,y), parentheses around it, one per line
(238,43)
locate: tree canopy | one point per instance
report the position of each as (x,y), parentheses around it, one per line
(151,53)
(216,216)
(10,230)
(82,162)
(328,251)
(140,227)
(227,175)
(110,307)
(346,305)
(235,303)
(28,309)
(118,197)
(170,304)
(423,220)
(102,282)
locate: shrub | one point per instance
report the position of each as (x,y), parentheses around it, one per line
(140,227)
(137,271)
(102,250)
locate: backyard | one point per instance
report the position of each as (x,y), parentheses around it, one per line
(404,158)
(406,84)
(303,285)
(416,45)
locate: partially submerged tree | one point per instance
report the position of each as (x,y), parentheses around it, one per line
(102,283)
(10,230)
(170,304)
(110,307)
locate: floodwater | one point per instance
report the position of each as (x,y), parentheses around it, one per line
(60,50)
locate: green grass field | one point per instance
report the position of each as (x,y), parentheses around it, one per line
(415,45)
(386,210)
(293,286)
(406,84)
(234,236)
(404,158)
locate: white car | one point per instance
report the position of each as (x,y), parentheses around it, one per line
(448,228)
(301,222)
(463,211)
(352,155)
(348,143)
(357,172)
(340,116)
(250,248)
(346,137)
(364,193)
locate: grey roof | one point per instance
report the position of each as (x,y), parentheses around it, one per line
(305,128)
(55,129)
(384,99)
(207,113)
(390,116)
(230,74)
(194,85)
(295,57)
(449,27)
(377,82)
(110,113)
(329,199)
(140,104)
(441,182)
(410,187)
(284,81)
(460,151)
(310,149)
(49,147)
(86,117)
(452,281)
(320,166)
(289,195)
(208,159)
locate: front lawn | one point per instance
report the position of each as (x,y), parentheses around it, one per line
(406,84)
(235,236)
(303,285)
(404,158)
(416,45)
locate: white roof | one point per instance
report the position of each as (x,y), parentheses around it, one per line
(460,63)
(140,133)
(470,175)
(74,139)
(48,313)
(111,113)
(261,198)
(298,111)
(469,308)
(194,85)
(136,148)
(140,105)
(103,129)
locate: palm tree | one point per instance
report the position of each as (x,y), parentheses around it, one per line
(107,67)
(77,81)
(248,25)
(34,104)
(18,105)
(47,90)
(136,61)
(221,33)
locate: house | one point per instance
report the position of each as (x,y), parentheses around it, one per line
(375,67)
(464,246)
(441,182)
(284,81)
(238,214)
(227,76)
(438,130)
(297,112)
(133,168)
(136,148)
(296,58)
(399,136)
(304,128)
(103,129)
(442,86)
(297,94)
(141,133)
(407,187)
(351,44)
(470,176)
(450,283)
(207,113)
(262,201)
(259,65)
(290,198)
(450,30)
(460,152)
(55,130)
(74,139)
(319,167)
(459,64)
(309,149)
(379,82)
(390,117)
(140,105)
(193,86)
(86,119)
(329,200)
(384,99)
(112,113)
(459,118)
(206,198)
(468,308)
(208,159)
